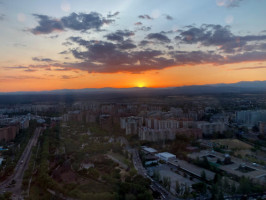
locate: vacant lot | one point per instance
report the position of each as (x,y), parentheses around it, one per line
(233,144)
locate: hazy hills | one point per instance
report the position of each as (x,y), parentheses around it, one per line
(244,86)
(71,95)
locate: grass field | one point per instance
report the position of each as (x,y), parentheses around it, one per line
(38,193)
(233,144)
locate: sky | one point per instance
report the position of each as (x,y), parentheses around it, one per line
(73,44)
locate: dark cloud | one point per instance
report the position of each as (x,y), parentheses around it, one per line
(159,37)
(169,17)
(67,43)
(248,68)
(30,70)
(47,25)
(119,35)
(169,47)
(79,22)
(107,57)
(54,36)
(63,52)
(33,68)
(144,28)
(42,59)
(245,57)
(138,23)
(68,77)
(128,44)
(84,22)
(145,17)
(3,78)
(216,35)
(195,57)
(81,41)
(118,52)
(145,42)
(169,32)
(113,15)
(16,67)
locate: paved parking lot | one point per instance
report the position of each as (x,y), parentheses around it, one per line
(168,171)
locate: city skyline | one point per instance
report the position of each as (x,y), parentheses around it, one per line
(84,44)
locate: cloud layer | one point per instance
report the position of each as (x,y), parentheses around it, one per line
(135,51)
(77,22)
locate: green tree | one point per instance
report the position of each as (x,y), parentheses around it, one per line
(186,191)
(177,187)
(157,175)
(200,187)
(233,188)
(203,175)
(167,182)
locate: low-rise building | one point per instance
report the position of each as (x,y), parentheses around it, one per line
(131,124)
(165,156)
(106,121)
(262,127)
(8,133)
(149,150)
(154,135)
(210,128)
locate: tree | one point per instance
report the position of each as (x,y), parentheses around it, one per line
(233,188)
(203,175)
(226,185)
(227,160)
(200,187)
(221,195)
(177,187)
(167,182)
(219,161)
(245,185)
(217,178)
(186,191)
(130,197)
(255,128)
(157,175)
(214,191)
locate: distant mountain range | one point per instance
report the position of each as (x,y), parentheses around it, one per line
(240,87)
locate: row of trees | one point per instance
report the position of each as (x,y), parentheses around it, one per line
(13,154)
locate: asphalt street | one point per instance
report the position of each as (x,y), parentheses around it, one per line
(17,176)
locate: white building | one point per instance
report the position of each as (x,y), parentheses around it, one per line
(156,135)
(250,117)
(210,128)
(131,124)
(149,149)
(165,156)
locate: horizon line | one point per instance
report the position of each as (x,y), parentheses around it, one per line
(144,87)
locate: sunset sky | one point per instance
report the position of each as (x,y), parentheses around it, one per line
(71,44)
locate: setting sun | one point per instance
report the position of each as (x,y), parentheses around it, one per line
(140,85)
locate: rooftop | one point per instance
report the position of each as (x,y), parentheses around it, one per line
(149,149)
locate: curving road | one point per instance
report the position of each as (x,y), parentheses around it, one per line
(20,168)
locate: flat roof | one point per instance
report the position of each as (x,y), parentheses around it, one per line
(149,149)
(166,155)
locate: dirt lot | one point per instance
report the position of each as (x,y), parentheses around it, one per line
(233,144)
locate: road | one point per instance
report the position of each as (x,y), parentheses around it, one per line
(121,164)
(20,168)
(143,172)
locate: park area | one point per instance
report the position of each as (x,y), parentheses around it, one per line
(241,150)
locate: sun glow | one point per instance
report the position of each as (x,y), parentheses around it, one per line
(141,85)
